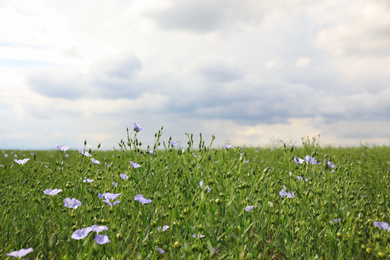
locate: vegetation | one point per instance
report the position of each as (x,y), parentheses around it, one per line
(201,202)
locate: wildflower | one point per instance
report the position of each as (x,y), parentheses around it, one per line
(160,250)
(228,146)
(102,239)
(86,153)
(151,151)
(81,233)
(173,143)
(6,155)
(62,148)
(249,208)
(111,196)
(298,160)
(135,165)
(95,161)
(88,180)
(22,162)
(141,199)
(124,176)
(335,221)
(115,184)
(98,229)
(22,252)
(137,127)
(199,236)
(163,229)
(194,155)
(283,194)
(52,192)
(331,165)
(201,184)
(310,160)
(382,225)
(72,203)
(299,178)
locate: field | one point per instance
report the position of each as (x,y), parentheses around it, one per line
(198,202)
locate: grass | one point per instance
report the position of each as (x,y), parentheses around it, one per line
(355,191)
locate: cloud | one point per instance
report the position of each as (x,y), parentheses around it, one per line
(110,77)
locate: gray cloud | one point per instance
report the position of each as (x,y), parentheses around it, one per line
(109,77)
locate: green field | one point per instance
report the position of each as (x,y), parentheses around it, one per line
(327,213)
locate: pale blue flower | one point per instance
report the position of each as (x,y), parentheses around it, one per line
(88,180)
(201,184)
(249,208)
(330,164)
(62,148)
(86,153)
(141,199)
(98,229)
(124,176)
(81,233)
(102,239)
(151,151)
(22,252)
(198,236)
(6,155)
(228,146)
(135,165)
(52,192)
(382,225)
(335,221)
(137,127)
(72,203)
(311,160)
(160,250)
(22,162)
(298,160)
(111,196)
(173,143)
(283,194)
(299,178)
(163,229)
(115,184)
(95,161)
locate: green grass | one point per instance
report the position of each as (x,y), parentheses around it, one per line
(278,228)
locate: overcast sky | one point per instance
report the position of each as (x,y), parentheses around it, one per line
(249,72)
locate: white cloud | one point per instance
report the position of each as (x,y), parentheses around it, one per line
(303,62)
(244,71)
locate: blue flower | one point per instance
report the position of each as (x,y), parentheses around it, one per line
(335,221)
(81,233)
(299,178)
(88,180)
(173,143)
(86,153)
(141,199)
(310,160)
(135,165)
(52,192)
(22,162)
(72,203)
(124,176)
(102,239)
(283,194)
(298,160)
(62,148)
(95,161)
(137,127)
(22,252)
(228,146)
(163,229)
(382,225)
(160,250)
(249,208)
(115,184)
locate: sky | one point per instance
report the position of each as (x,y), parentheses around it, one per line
(252,73)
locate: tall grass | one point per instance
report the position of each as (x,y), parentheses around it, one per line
(208,222)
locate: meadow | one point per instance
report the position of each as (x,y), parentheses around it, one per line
(195,202)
